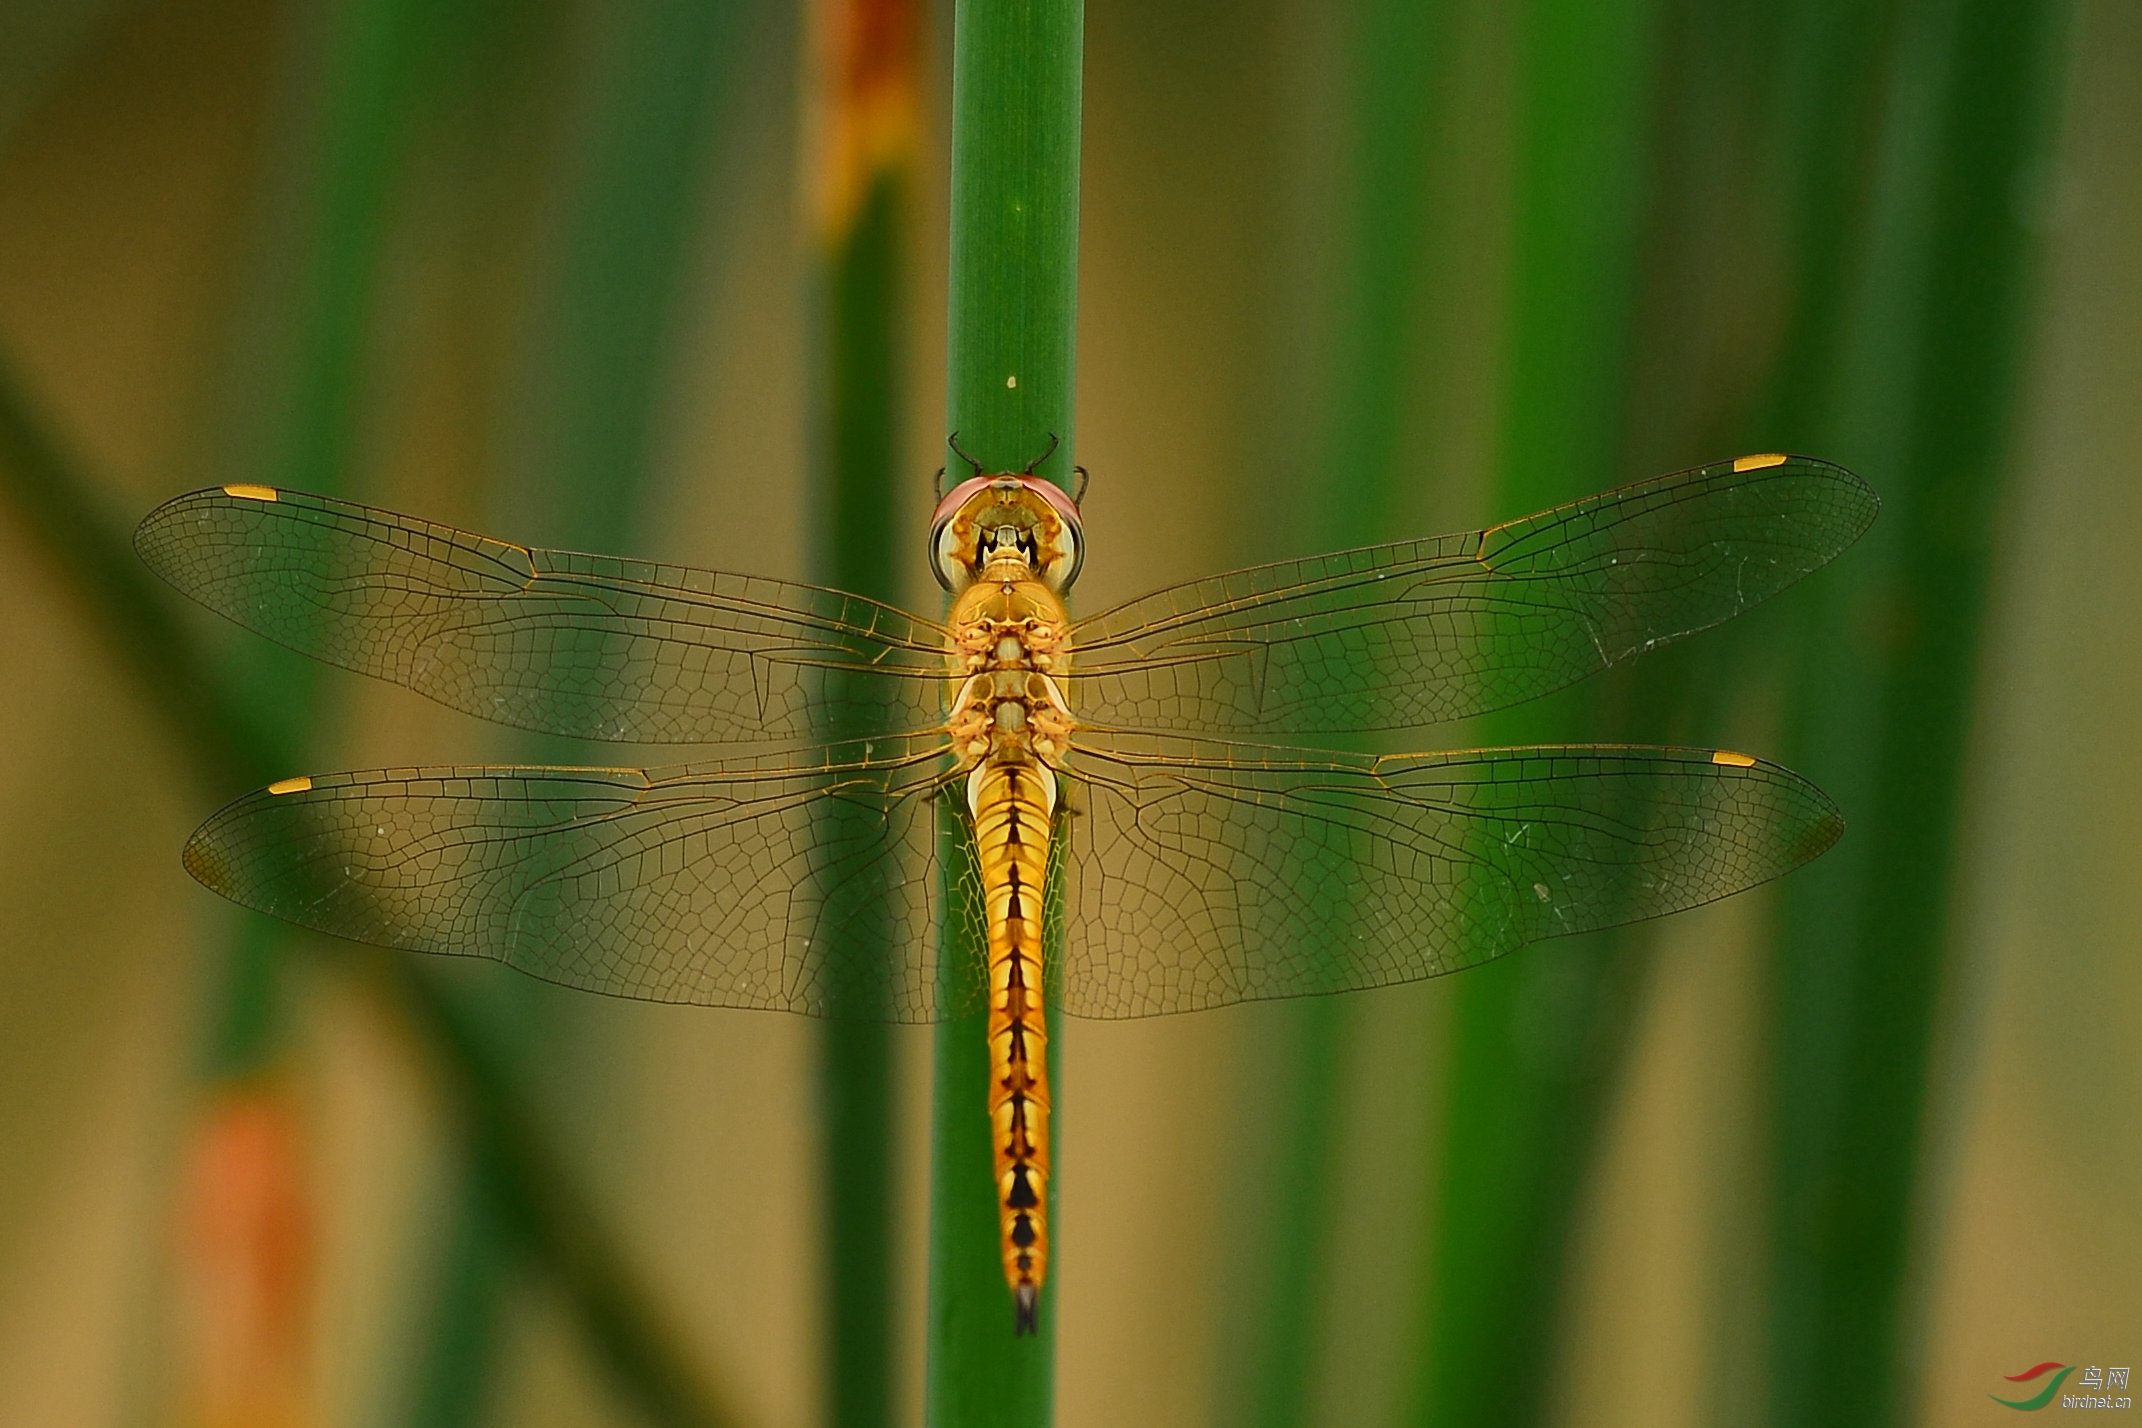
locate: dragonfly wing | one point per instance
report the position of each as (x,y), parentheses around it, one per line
(1397,636)
(1200,874)
(743,883)
(584,645)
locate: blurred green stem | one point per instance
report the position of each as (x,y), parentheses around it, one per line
(576,442)
(1395,54)
(1886,722)
(551,1218)
(865,178)
(1014,306)
(1520,1113)
(221,738)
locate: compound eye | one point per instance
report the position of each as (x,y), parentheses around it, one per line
(1066,557)
(950,561)
(953,567)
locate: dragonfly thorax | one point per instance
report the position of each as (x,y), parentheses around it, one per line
(1010,621)
(1010,647)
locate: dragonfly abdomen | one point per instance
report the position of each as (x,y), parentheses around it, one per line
(1011,807)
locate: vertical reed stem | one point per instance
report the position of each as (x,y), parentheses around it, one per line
(868,55)
(1014,305)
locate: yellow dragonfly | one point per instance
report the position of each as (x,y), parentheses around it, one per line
(895,786)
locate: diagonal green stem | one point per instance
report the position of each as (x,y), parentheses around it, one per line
(527,1188)
(551,1219)
(579,432)
(1014,305)
(131,610)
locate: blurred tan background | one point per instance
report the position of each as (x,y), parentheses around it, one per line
(172,250)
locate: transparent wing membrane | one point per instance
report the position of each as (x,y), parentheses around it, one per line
(1195,874)
(1202,874)
(1398,636)
(810,887)
(585,645)
(1190,872)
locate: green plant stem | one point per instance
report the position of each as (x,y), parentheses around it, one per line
(1014,280)
(1518,1119)
(1834,53)
(580,429)
(1807,81)
(553,1222)
(1280,1362)
(1014,305)
(342,123)
(129,608)
(863,317)
(1863,945)
(1395,53)
(527,1187)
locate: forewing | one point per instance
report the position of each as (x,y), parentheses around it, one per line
(585,645)
(1396,636)
(743,883)
(1200,874)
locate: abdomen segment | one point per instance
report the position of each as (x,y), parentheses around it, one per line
(1011,830)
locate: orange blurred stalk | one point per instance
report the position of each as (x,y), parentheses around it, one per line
(247,1261)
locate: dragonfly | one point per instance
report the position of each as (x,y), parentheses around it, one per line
(1010,810)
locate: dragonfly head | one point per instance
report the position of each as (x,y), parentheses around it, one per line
(1022,521)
